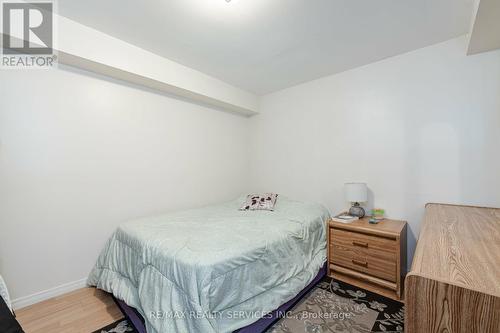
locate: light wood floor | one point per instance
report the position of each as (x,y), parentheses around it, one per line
(81,311)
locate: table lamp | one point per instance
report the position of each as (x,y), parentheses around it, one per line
(356,193)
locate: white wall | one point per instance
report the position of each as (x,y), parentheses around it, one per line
(420,127)
(80,154)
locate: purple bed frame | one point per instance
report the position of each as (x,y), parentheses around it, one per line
(258,327)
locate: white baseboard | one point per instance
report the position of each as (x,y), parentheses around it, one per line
(24,301)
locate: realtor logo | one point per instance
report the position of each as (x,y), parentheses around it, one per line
(27,34)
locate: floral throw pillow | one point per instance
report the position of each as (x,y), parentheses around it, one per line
(264,201)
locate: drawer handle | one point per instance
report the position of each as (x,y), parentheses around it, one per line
(360,263)
(362,244)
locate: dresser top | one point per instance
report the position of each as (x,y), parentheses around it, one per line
(386,227)
(460,245)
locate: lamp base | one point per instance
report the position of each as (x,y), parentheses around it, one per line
(357,210)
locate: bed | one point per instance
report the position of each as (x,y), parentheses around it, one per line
(213,269)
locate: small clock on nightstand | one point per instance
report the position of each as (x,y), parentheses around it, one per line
(370,256)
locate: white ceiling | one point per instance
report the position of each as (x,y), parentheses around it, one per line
(267,45)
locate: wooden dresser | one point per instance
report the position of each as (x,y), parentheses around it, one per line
(454,282)
(370,256)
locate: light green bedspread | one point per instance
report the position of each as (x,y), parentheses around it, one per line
(213,269)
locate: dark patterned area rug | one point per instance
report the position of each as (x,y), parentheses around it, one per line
(333,306)
(120,326)
(330,307)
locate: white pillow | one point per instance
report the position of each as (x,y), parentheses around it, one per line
(264,201)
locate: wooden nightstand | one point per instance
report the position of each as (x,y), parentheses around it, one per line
(370,256)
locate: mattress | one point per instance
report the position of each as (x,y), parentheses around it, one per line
(213,269)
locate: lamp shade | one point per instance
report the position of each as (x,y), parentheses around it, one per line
(356,192)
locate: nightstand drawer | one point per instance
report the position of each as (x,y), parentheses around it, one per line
(371,256)
(371,265)
(366,245)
